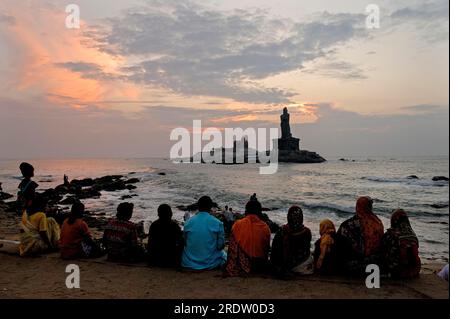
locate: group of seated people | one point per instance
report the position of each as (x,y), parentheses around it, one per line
(359,241)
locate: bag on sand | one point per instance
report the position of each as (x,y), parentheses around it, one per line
(306,267)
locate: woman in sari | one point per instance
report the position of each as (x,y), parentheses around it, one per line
(76,240)
(39,233)
(361,236)
(400,248)
(326,252)
(249,246)
(291,246)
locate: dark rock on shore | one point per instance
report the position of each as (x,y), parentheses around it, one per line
(5,196)
(193,207)
(132,181)
(87,182)
(412,177)
(162,173)
(128,196)
(440,178)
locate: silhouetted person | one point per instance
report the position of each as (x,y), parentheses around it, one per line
(165,240)
(27,187)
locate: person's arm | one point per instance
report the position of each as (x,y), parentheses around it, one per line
(221,237)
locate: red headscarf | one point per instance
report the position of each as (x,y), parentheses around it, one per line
(371,226)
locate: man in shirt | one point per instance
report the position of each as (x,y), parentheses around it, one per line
(204,239)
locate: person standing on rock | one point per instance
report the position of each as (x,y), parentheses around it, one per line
(27,187)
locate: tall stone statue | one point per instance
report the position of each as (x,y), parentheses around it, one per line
(285,127)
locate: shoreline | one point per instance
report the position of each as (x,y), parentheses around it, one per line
(103,279)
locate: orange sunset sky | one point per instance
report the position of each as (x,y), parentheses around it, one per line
(135,70)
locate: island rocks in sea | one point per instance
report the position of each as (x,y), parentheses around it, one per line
(288,149)
(289,146)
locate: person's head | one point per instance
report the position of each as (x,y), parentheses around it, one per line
(226,207)
(295,218)
(27,170)
(37,205)
(326,227)
(76,212)
(205,204)
(125,211)
(230,209)
(253,207)
(165,212)
(398,218)
(364,206)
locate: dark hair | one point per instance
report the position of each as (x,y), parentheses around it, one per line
(38,204)
(125,211)
(253,207)
(205,204)
(26,169)
(76,212)
(165,212)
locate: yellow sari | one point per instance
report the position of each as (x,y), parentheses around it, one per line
(31,242)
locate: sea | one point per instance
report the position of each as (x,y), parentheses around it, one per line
(325,190)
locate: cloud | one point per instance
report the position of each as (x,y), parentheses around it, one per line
(424,108)
(192,50)
(82,67)
(337,69)
(7,19)
(429,19)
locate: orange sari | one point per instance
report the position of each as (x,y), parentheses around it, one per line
(371,226)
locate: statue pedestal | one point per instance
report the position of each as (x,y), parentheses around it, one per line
(289,152)
(289,144)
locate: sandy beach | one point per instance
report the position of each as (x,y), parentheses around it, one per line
(44,277)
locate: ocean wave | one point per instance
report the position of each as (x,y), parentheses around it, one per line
(405,180)
(328,207)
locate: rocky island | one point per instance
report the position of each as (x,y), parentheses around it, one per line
(288,149)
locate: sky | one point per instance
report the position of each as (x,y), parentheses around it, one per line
(137,69)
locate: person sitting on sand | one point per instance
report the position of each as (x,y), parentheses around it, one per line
(121,236)
(291,246)
(326,249)
(76,240)
(444,273)
(361,236)
(165,240)
(249,246)
(39,233)
(27,187)
(400,248)
(204,239)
